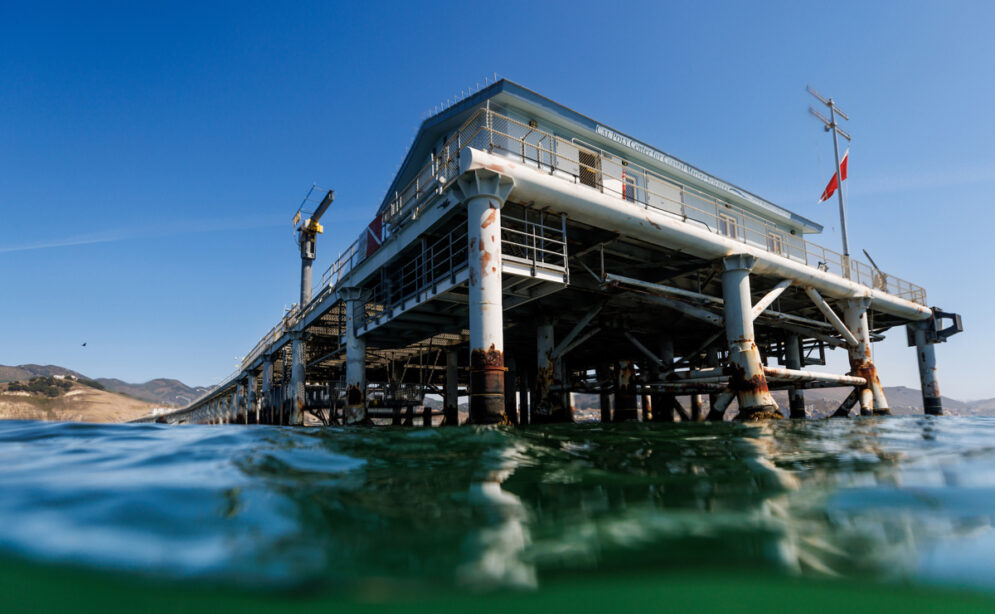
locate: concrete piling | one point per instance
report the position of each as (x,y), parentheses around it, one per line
(625,393)
(266,402)
(484,192)
(793,360)
(355,369)
(297,379)
(747,379)
(872,399)
(926,358)
(451,397)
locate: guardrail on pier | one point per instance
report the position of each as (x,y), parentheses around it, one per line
(583,163)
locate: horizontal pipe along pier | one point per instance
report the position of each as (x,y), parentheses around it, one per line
(529,269)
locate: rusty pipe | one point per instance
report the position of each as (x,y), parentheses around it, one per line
(793,375)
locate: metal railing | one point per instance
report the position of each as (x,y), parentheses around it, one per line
(609,173)
(585,164)
(532,240)
(433,264)
(527,237)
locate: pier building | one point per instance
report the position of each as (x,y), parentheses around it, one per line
(525,253)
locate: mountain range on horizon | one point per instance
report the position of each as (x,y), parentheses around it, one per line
(165,391)
(175,393)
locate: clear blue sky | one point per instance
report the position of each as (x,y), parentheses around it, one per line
(151,156)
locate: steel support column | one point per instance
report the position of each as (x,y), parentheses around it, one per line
(872,399)
(604,396)
(663,402)
(548,406)
(712,360)
(251,402)
(510,399)
(237,401)
(926,357)
(524,413)
(451,410)
(484,192)
(793,360)
(266,401)
(355,358)
(747,378)
(298,376)
(625,393)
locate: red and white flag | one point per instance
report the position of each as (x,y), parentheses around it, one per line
(834,183)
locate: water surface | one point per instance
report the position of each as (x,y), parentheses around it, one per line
(882,500)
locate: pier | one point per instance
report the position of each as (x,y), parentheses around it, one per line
(526,253)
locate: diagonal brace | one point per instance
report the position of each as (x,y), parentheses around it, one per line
(771,296)
(578,329)
(831,316)
(642,348)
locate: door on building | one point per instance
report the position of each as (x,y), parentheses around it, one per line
(590,168)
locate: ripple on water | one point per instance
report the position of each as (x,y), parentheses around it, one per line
(908,498)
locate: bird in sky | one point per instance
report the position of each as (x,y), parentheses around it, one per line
(84,344)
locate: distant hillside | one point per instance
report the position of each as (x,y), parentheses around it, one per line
(165,391)
(26,372)
(824,401)
(158,391)
(77,404)
(903,400)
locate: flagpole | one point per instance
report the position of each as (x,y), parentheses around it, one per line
(839,189)
(833,126)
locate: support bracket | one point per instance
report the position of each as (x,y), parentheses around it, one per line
(935,332)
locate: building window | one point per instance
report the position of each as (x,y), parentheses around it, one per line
(629,189)
(775,243)
(590,168)
(728,226)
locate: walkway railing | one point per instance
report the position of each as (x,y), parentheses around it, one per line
(586,164)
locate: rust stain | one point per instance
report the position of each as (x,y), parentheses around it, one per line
(738,382)
(626,376)
(653,224)
(547,407)
(864,368)
(485,259)
(490,359)
(491,217)
(497,168)
(354,395)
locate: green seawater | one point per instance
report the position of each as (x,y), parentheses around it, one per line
(883,514)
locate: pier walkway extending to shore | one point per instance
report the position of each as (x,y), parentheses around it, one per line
(526,253)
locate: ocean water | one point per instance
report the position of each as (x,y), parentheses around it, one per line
(894,504)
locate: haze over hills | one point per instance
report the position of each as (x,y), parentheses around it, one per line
(160,391)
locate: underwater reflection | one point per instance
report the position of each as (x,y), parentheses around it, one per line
(496,548)
(490,507)
(481,508)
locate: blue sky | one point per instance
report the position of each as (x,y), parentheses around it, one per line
(151,156)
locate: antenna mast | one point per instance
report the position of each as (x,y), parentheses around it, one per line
(832,125)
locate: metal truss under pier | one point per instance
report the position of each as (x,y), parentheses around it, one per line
(528,261)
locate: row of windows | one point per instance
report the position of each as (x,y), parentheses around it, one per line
(729,226)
